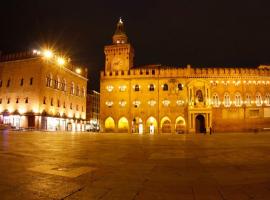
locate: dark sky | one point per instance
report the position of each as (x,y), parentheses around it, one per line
(177,32)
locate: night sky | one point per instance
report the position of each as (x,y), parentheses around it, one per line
(178,32)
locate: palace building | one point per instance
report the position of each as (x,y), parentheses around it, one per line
(160,99)
(41,90)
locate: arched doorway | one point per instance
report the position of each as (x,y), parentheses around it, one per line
(200,124)
(137,125)
(109,124)
(165,125)
(180,125)
(123,125)
(151,125)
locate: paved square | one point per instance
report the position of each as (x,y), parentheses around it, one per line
(41,165)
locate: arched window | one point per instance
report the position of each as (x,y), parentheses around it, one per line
(238,101)
(180,86)
(78,90)
(258,99)
(267,99)
(227,102)
(64,85)
(165,87)
(49,80)
(199,95)
(248,100)
(72,88)
(83,92)
(137,88)
(151,87)
(215,100)
(58,83)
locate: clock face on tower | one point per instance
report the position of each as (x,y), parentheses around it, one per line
(117,63)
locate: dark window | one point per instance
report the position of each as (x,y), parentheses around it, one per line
(1,101)
(26,100)
(165,87)
(0,83)
(153,72)
(58,103)
(151,87)
(44,100)
(22,82)
(8,83)
(82,108)
(55,84)
(137,88)
(77,107)
(31,80)
(51,101)
(64,105)
(180,86)
(71,106)
(17,100)
(48,81)
(8,100)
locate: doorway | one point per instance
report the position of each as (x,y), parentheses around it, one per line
(200,124)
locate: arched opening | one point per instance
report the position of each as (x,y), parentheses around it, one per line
(137,125)
(151,125)
(180,125)
(109,124)
(200,124)
(165,125)
(199,96)
(123,125)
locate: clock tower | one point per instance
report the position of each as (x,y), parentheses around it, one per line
(119,55)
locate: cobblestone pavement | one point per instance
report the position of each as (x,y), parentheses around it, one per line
(41,165)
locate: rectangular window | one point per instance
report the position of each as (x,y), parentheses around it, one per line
(21,82)
(51,101)
(8,100)
(1,83)
(58,103)
(17,100)
(71,106)
(64,105)
(26,100)
(44,100)
(8,83)
(31,80)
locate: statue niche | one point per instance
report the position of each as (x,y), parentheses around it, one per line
(199,96)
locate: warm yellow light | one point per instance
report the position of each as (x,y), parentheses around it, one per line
(48,54)
(22,110)
(61,61)
(78,70)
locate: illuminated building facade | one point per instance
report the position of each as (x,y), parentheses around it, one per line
(160,99)
(41,90)
(93,110)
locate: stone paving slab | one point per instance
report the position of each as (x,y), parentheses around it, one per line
(229,166)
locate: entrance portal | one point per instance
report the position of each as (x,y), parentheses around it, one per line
(200,124)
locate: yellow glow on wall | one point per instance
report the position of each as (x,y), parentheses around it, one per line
(109,123)
(123,123)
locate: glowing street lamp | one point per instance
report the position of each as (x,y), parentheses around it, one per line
(48,54)
(78,70)
(61,61)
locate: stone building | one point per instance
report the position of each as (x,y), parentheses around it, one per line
(93,110)
(160,99)
(43,91)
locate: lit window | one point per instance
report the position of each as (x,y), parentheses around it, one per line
(238,100)
(109,88)
(152,102)
(165,87)
(151,87)
(227,102)
(78,90)
(136,103)
(166,102)
(109,103)
(122,103)
(258,99)
(267,99)
(122,88)
(180,102)
(58,83)
(137,88)
(215,100)
(248,100)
